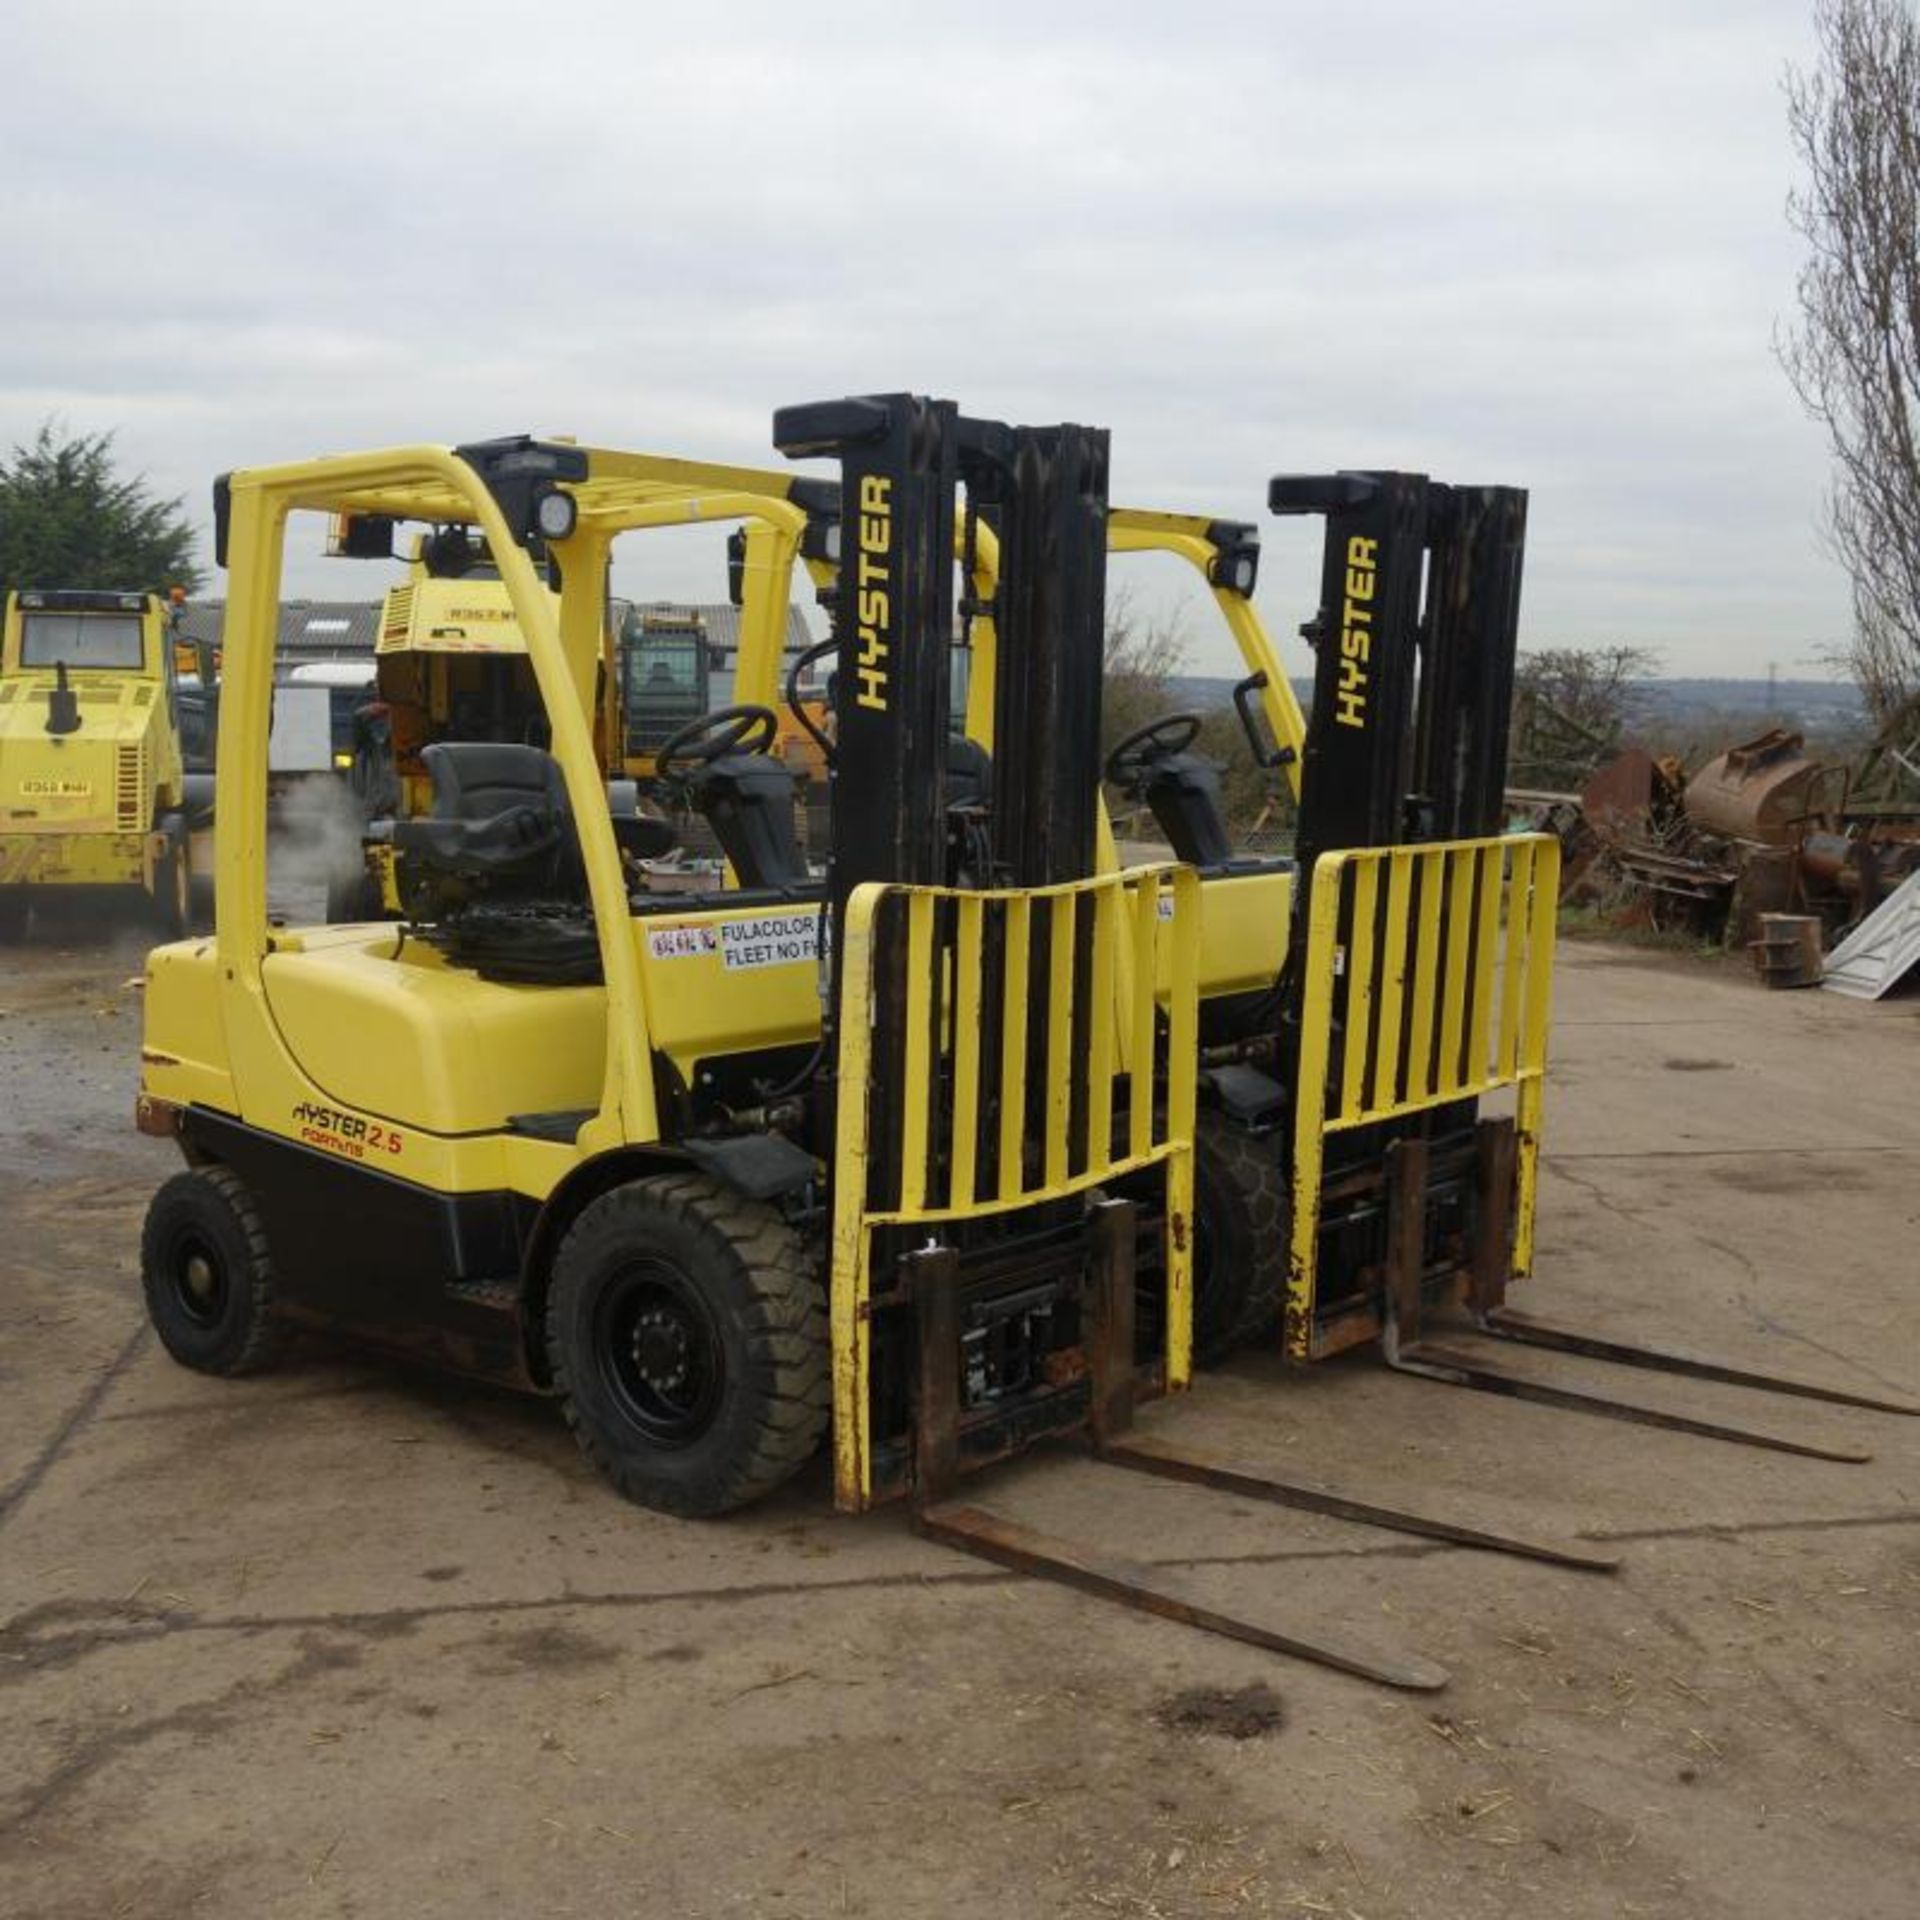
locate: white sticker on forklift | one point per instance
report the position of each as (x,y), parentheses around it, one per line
(783,941)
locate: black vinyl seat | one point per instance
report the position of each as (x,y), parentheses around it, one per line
(497,810)
(1183,792)
(501,811)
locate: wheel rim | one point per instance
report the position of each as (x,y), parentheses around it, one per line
(197,1278)
(659,1352)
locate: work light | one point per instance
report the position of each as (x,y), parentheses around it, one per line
(555,515)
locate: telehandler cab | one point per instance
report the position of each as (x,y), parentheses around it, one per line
(726,1176)
(93,789)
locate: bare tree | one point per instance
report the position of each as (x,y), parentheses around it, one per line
(1572,707)
(1854,359)
(1142,654)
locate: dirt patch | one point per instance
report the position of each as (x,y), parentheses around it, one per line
(549,1649)
(1697,1066)
(1234,1713)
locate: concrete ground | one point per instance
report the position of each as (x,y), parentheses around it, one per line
(354,1639)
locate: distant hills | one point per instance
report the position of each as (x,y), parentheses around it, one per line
(1668,702)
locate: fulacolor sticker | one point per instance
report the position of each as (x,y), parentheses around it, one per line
(775,940)
(782,940)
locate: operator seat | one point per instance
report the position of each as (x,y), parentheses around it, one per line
(500,812)
(969,775)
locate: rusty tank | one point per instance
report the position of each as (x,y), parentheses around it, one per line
(1766,790)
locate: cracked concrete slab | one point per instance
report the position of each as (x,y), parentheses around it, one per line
(355,1639)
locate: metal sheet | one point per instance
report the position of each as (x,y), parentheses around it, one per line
(1882,950)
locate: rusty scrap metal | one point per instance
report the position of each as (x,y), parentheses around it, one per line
(1761,829)
(1766,790)
(1786,952)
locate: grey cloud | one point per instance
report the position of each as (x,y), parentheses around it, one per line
(1542,245)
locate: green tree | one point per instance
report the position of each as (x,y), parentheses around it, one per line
(70,518)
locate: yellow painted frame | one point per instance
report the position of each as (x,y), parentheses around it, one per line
(1184,535)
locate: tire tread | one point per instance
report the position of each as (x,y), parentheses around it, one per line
(785,1318)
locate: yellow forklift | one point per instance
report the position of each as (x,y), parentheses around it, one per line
(1416,980)
(93,790)
(802,1161)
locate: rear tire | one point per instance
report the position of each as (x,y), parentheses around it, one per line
(173,892)
(206,1274)
(1240,1237)
(353,896)
(687,1336)
(15,909)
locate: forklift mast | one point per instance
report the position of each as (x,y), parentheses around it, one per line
(1044,492)
(1413,658)
(1405,748)
(898,470)
(977,1088)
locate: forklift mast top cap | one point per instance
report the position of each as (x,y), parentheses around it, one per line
(1319,492)
(825,426)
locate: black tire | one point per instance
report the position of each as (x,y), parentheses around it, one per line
(687,1336)
(353,895)
(173,892)
(1240,1236)
(15,908)
(206,1274)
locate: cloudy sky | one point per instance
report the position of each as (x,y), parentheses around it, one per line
(1541,245)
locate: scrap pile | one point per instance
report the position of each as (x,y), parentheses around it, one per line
(1761,834)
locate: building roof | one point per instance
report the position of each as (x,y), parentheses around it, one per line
(720,621)
(343,629)
(309,629)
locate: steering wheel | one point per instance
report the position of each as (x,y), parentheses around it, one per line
(1172,733)
(746,729)
(797,707)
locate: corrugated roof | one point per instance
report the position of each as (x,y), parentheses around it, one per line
(327,629)
(309,629)
(721,621)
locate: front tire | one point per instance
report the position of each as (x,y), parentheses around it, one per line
(1240,1237)
(687,1336)
(15,907)
(206,1274)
